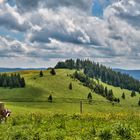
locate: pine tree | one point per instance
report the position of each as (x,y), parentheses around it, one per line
(106,91)
(11,83)
(50,98)
(22,82)
(70,86)
(110,95)
(107,75)
(89,97)
(123,95)
(53,71)
(4,83)
(118,100)
(41,73)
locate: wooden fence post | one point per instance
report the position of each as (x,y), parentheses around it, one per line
(81,107)
(1,106)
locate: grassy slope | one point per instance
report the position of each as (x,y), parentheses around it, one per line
(65,100)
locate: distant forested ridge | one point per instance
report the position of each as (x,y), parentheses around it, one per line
(11,81)
(105,74)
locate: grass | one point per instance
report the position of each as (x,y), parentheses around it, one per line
(70,127)
(34,96)
(33,116)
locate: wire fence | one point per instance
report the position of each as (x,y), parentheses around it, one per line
(55,100)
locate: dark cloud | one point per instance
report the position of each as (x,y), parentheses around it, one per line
(60,34)
(27,5)
(9,21)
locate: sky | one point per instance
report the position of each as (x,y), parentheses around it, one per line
(39,33)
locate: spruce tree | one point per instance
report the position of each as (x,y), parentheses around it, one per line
(110,95)
(41,73)
(50,98)
(70,86)
(106,91)
(5,83)
(22,82)
(11,83)
(53,71)
(89,97)
(123,95)
(118,100)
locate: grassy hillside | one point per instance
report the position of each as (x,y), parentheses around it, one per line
(34,96)
(33,117)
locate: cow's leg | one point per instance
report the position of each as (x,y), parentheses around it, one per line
(5,119)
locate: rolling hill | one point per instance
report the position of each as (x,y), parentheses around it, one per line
(34,117)
(35,96)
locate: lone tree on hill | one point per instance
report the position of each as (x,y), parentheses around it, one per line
(89,97)
(70,86)
(41,73)
(50,98)
(123,95)
(133,93)
(53,71)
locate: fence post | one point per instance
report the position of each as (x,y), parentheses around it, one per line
(81,107)
(1,106)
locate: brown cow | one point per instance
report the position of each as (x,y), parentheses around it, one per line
(4,114)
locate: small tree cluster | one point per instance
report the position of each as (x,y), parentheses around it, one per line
(133,93)
(117,100)
(95,87)
(52,71)
(98,71)
(11,81)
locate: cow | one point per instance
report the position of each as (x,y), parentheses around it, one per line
(4,114)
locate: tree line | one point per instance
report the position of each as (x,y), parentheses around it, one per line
(95,86)
(11,81)
(105,74)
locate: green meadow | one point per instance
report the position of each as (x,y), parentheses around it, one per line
(33,117)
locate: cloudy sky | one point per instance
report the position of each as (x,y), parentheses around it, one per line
(38,33)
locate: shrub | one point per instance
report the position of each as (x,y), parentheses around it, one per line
(123,131)
(105,134)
